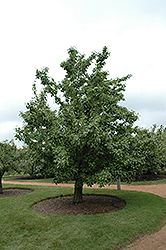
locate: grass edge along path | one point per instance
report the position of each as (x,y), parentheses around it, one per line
(159,189)
(50,180)
(22,228)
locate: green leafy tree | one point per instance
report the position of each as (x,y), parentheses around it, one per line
(85,137)
(145,151)
(149,149)
(7,158)
(164,145)
(26,161)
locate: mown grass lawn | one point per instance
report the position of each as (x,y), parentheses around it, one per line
(21,228)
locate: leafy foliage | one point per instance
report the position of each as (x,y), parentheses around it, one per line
(150,149)
(93,124)
(37,134)
(86,136)
(7,158)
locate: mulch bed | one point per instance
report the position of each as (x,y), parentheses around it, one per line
(92,204)
(10,192)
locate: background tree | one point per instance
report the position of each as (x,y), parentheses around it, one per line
(149,149)
(163,167)
(26,162)
(87,133)
(8,152)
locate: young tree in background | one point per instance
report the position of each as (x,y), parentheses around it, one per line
(85,137)
(7,158)
(149,149)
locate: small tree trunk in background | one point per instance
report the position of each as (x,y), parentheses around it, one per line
(77,192)
(1,190)
(118,184)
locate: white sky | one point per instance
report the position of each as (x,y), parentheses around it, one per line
(37,33)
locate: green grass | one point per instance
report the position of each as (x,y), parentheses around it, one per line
(47,180)
(21,228)
(156,182)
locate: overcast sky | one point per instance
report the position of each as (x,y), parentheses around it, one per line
(37,33)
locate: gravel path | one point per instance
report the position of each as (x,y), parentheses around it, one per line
(155,241)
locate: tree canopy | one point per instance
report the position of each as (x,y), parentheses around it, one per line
(87,136)
(149,149)
(7,158)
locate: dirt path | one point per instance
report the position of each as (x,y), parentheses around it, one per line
(155,241)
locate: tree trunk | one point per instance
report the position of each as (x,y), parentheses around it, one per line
(78,192)
(118,184)
(1,190)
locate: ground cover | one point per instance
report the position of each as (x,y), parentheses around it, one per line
(22,228)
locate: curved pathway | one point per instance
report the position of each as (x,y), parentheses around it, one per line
(156,241)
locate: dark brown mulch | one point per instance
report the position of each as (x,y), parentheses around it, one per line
(92,204)
(14,192)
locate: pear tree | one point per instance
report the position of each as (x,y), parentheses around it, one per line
(86,136)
